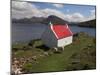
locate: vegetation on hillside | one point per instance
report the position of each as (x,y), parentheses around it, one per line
(35,57)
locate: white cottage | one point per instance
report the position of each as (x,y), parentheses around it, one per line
(57,36)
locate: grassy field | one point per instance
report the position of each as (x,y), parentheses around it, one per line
(80,55)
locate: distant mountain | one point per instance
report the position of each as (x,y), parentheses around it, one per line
(52,18)
(91,23)
(29,20)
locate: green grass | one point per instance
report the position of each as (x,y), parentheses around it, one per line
(59,61)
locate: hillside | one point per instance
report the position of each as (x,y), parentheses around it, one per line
(55,20)
(91,23)
(34,57)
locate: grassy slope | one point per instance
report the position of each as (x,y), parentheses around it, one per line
(56,61)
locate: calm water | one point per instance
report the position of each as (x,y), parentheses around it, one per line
(26,32)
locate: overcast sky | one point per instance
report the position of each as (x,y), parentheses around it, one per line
(68,12)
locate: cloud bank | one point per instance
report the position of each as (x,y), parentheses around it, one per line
(27,10)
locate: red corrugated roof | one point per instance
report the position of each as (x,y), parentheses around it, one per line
(61,31)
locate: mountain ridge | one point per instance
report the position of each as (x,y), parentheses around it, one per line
(54,20)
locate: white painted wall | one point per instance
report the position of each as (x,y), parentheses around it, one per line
(65,41)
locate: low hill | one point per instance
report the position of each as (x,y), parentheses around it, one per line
(91,23)
(54,20)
